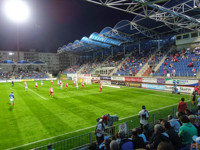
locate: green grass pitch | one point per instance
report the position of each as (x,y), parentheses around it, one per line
(36,115)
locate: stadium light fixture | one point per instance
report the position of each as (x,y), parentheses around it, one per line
(16,10)
(10,53)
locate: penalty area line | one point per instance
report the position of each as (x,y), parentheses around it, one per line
(36,93)
(84,129)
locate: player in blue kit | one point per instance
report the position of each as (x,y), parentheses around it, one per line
(26,86)
(11,95)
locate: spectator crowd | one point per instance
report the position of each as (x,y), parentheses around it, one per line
(180,133)
(22,75)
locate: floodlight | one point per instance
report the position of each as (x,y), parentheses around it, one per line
(16,10)
(10,53)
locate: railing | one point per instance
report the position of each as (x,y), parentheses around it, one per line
(82,141)
(178,74)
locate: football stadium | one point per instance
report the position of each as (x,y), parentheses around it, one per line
(133,85)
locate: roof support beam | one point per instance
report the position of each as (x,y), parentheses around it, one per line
(149,33)
(196,4)
(160,13)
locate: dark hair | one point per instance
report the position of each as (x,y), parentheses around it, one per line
(146,127)
(165,146)
(107,144)
(184,119)
(139,130)
(122,134)
(49,146)
(134,132)
(170,116)
(167,125)
(182,99)
(188,112)
(117,135)
(160,120)
(179,114)
(143,107)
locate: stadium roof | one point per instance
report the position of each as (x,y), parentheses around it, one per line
(152,19)
(23,62)
(38,62)
(7,62)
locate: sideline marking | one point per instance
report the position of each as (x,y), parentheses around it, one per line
(84,129)
(113,86)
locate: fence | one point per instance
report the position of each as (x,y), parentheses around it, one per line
(82,141)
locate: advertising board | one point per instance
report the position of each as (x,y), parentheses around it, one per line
(149,80)
(118,83)
(106,82)
(161,80)
(133,79)
(27,80)
(132,84)
(95,79)
(153,86)
(181,89)
(105,78)
(118,78)
(72,76)
(182,82)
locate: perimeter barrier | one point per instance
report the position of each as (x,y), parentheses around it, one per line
(81,142)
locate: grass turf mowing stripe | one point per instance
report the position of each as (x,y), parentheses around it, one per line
(35,93)
(69,106)
(84,128)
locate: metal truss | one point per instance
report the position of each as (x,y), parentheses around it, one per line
(88,46)
(196,3)
(174,17)
(145,31)
(124,35)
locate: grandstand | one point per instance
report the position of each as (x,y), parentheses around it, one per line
(138,62)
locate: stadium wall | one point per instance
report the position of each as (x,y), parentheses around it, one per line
(23,80)
(164,84)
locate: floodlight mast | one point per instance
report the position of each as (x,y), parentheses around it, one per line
(17,11)
(18,59)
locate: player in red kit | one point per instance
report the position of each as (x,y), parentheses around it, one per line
(196,89)
(66,85)
(101,87)
(51,91)
(36,85)
(82,84)
(51,82)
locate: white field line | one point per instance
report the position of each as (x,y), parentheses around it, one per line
(142,92)
(83,129)
(113,86)
(156,95)
(36,93)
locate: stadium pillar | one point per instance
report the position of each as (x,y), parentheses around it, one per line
(124,50)
(199,87)
(112,51)
(159,43)
(139,47)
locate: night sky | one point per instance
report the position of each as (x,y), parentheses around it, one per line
(54,23)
